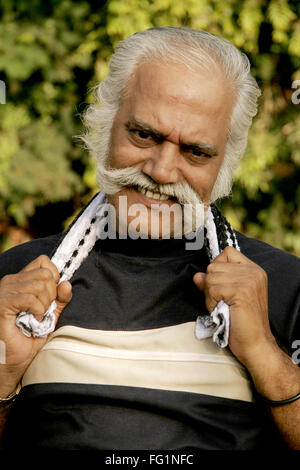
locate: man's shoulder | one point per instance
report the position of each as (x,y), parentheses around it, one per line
(264,254)
(16,258)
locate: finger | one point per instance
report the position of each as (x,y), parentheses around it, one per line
(43,261)
(215,289)
(226,278)
(23,302)
(44,274)
(226,267)
(216,292)
(64,295)
(14,281)
(64,292)
(199,280)
(45,291)
(232,255)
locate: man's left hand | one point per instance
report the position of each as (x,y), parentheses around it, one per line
(243,285)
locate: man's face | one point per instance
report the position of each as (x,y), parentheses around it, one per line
(172,125)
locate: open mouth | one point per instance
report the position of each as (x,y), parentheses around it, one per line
(154,194)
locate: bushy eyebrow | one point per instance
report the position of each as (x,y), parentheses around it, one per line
(201,147)
(137,124)
(198,146)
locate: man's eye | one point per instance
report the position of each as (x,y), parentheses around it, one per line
(196,152)
(141,134)
(199,153)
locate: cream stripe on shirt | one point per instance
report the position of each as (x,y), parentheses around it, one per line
(168,358)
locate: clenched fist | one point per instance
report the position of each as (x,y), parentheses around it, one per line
(33,289)
(243,285)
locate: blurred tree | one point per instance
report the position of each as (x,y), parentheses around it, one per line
(52,52)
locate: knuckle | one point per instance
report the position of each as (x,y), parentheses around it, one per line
(249,283)
(40,285)
(52,293)
(6,279)
(263,275)
(33,304)
(259,277)
(210,268)
(246,290)
(211,290)
(46,274)
(44,258)
(29,299)
(209,279)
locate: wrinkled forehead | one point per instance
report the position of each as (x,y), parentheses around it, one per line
(173,93)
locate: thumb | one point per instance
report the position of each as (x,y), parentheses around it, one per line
(64,295)
(199,280)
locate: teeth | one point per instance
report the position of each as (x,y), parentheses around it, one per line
(152,195)
(163,197)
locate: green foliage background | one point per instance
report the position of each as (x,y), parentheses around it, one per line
(52,53)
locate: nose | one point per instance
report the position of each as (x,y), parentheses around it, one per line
(162,165)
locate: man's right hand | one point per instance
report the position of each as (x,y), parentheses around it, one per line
(32,289)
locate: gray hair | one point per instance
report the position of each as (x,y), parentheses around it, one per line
(196,50)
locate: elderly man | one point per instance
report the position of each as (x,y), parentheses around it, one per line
(136,361)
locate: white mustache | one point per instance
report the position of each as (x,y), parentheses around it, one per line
(115,179)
